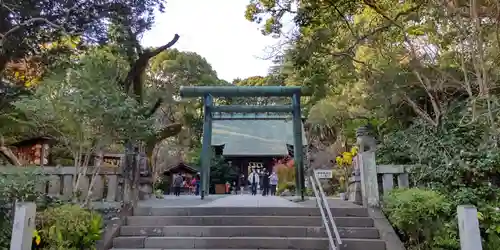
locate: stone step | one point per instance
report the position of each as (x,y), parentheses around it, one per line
(242,242)
(245,221)
(249,211)
(246,231)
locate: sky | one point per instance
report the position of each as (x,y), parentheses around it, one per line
(216,30)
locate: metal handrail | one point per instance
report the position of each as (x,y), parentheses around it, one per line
(321,196)
(323,217)
(328,210)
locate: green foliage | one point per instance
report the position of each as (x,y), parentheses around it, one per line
(489,221)
(221,171)
(194,156)
(167,72)
(159,194)
(189,69)
(74,17)
(85,103)
(286,178)
(461,161)
(410,69)
(422,217)
(69,227)
(282,186)
(458,160)
(309,192)
(18,184)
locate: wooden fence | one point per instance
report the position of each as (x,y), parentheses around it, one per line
(59,183)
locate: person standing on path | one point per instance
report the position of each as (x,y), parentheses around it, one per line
(242,183)
(178,180)
(265,183)
(192,186)
(253,178)
(198,183)
(273,180)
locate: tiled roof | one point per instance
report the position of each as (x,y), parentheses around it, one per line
(254,137)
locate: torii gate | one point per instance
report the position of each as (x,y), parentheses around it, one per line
(209,92)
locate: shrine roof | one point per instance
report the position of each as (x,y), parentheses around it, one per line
(181,166)
(32,141)
(254,137)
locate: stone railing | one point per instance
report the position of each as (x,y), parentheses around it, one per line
(387,178)
(107,185)
(371,181)
(386,174)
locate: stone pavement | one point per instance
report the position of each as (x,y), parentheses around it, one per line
(179,201)
(246,200)
(240,200)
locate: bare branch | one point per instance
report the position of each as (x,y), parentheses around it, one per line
(26,23)
(140,65)
(419,111)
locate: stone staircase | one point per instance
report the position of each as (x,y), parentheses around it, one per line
(244,228)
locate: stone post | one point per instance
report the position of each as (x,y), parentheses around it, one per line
(354,184)
(468,226)
(367,167)
(23,226)
(146,181)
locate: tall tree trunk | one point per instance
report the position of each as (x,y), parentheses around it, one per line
(133,86)
(11,157)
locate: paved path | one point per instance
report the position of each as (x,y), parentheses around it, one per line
(241,200)
(180,201)
(247,200)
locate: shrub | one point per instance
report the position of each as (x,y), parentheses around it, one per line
(422,217)
(16,184)
(69,227)
(489,221)
(159,194)
(285,173)
(309,192)
(331,186)
(282,186)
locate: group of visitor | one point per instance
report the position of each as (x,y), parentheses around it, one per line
(191,185)
(265,181)
(262,180)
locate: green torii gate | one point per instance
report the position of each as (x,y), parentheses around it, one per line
(209,92)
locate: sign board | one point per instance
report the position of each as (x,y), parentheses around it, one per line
(324,173)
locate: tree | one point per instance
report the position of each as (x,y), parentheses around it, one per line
(424,73)
(85,109)
(167,73)
(220,171)
(26,25)
(268,80)
(34,35)
(340,44)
